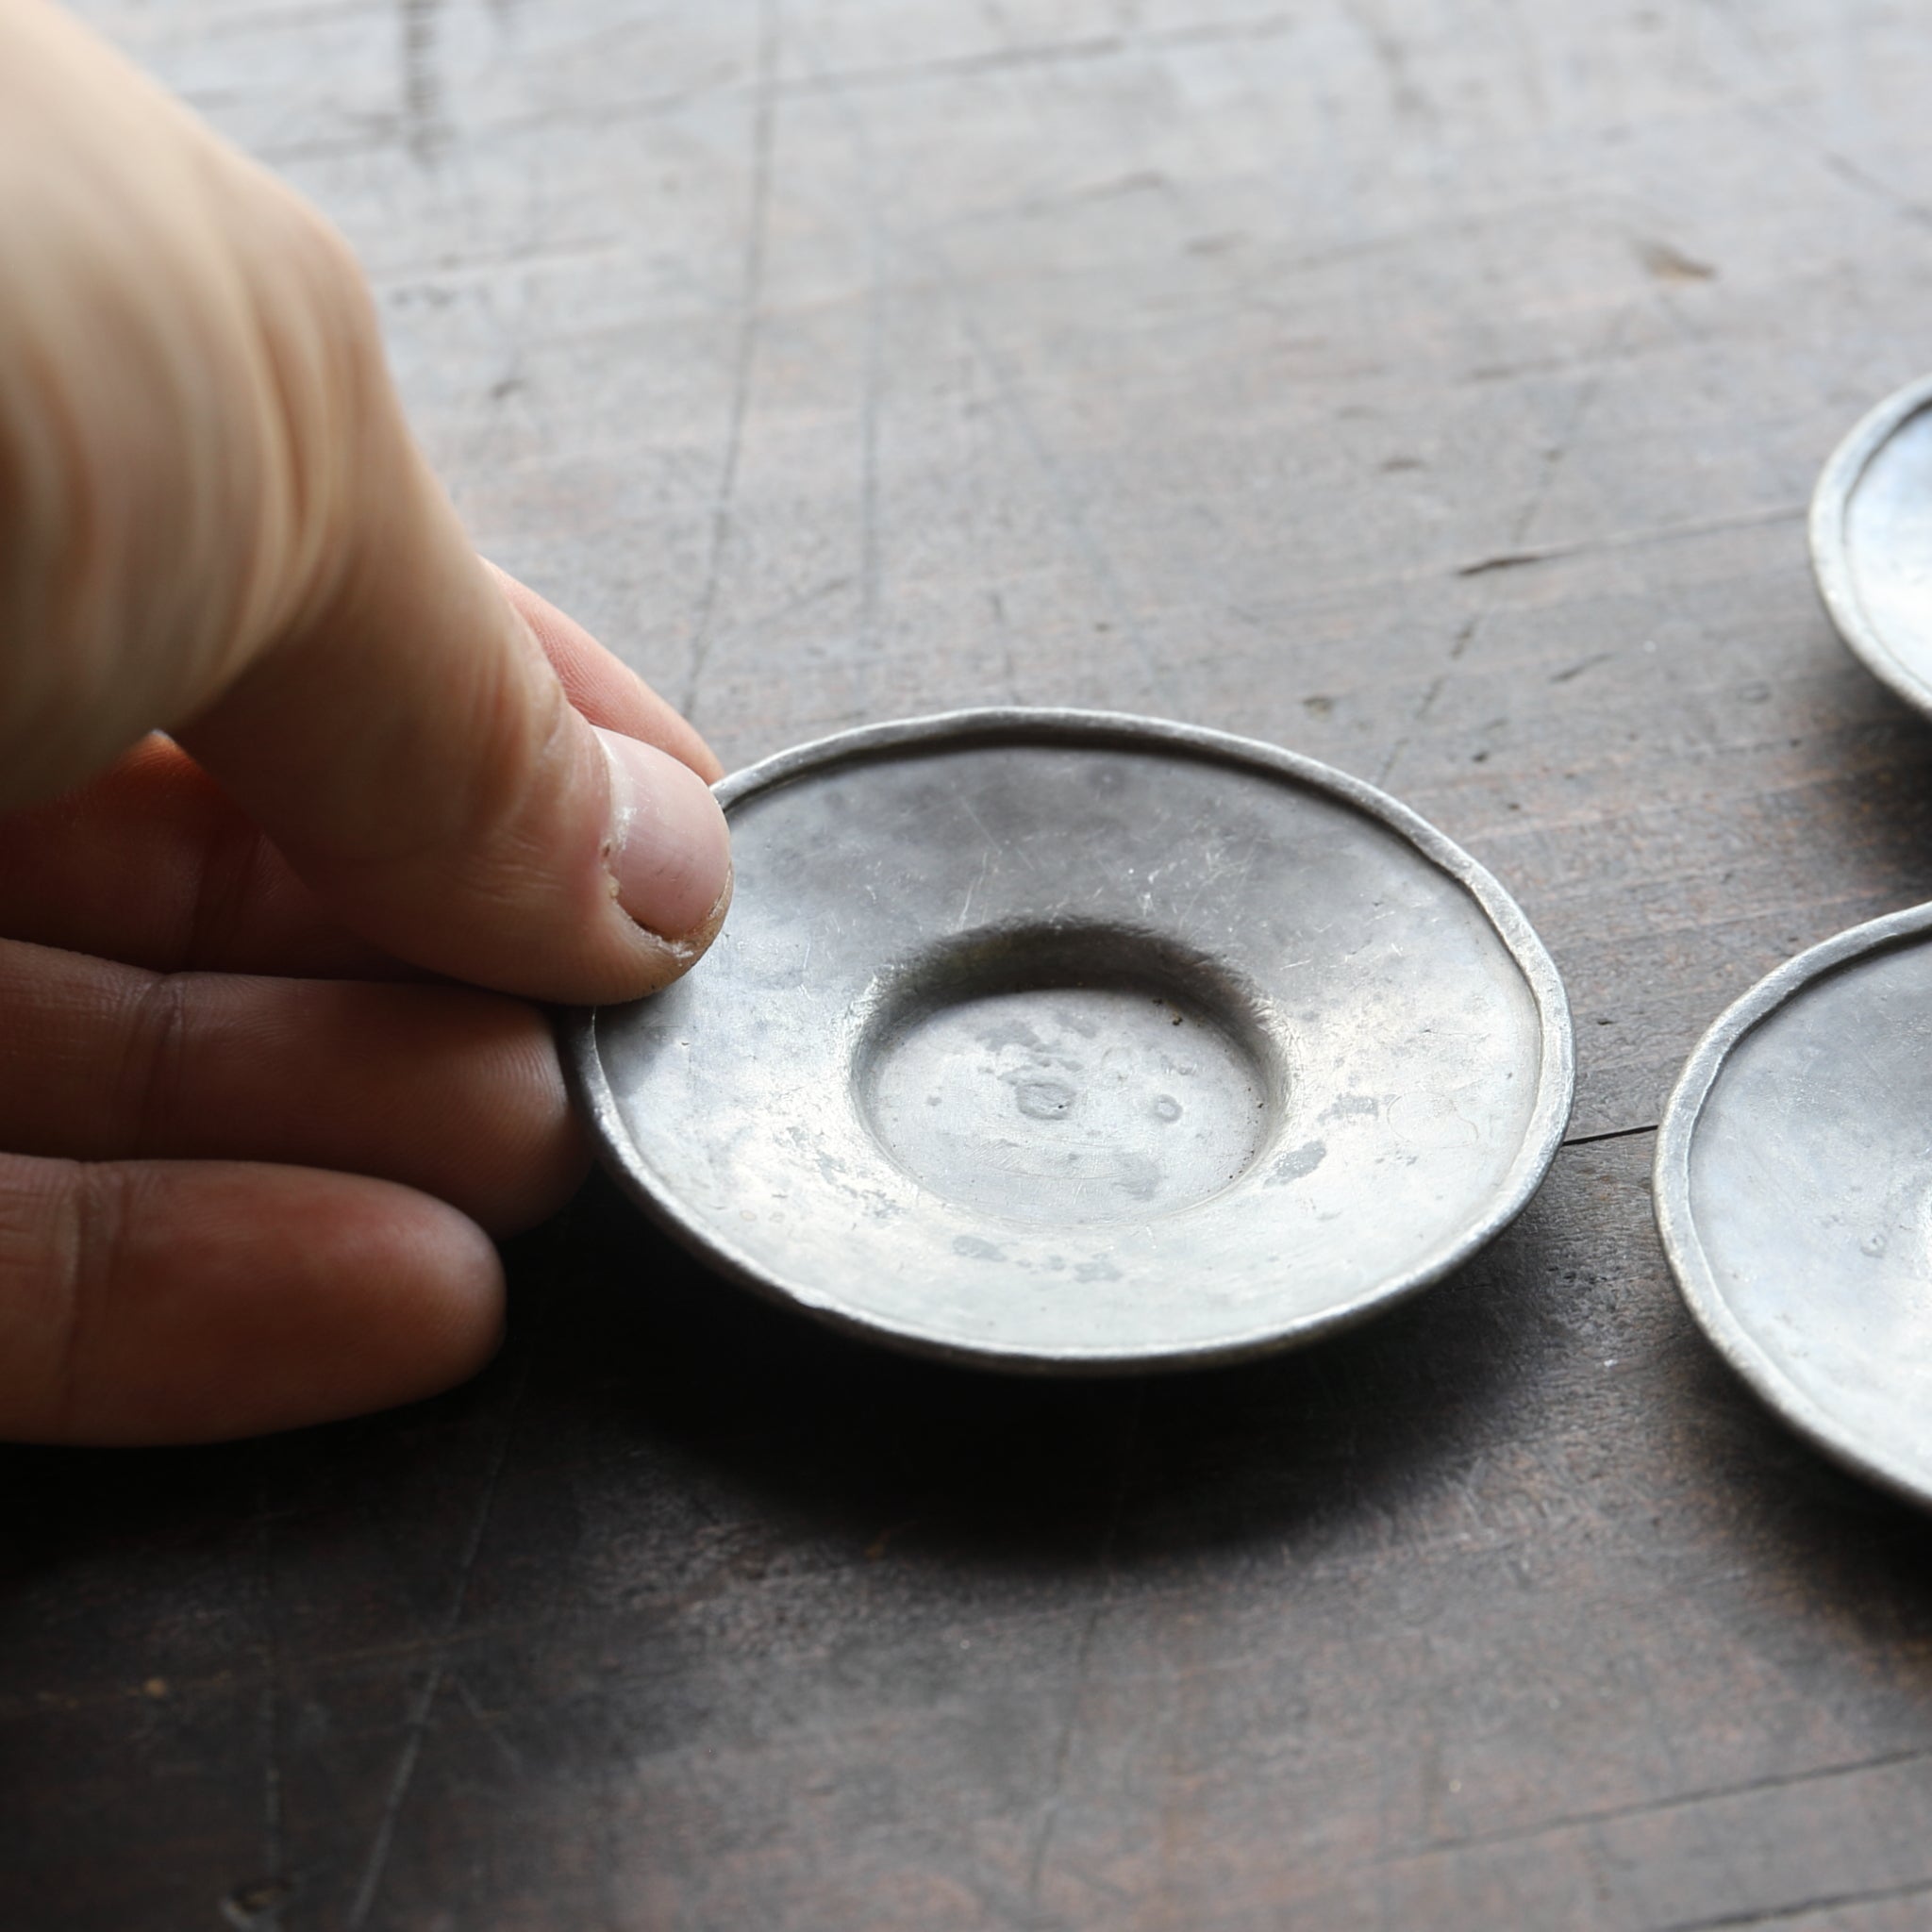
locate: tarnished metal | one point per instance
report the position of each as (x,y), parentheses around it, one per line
(1794,1192)
(1872,541)
(1071,1042)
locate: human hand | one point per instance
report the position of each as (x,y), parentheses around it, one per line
(255,1136)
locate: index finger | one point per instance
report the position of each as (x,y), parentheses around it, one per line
(601,686)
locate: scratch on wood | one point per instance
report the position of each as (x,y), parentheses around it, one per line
(1047,54)
(1508,560)
(1608,1134)
(1527,63)
(1824,1902)
(1516,554)
(1570,672)
(1073,513)
(869,441)
(1409,101)
(578,114)
(1650,1807)
(481,1719)
(920,246)
(1063,1750)
(418,1725)
(272,1836)
(1636,540)
(751,300)
(1436,685)
(1849,171)
(1788,127)
(422,82)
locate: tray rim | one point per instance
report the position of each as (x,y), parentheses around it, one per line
(1831,568)
(1050,725)
(1759,1367)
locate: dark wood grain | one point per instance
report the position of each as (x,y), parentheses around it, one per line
(1434,390)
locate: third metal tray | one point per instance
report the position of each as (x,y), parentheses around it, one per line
(1794,1192)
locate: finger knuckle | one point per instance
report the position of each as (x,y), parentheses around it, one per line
(158,1049)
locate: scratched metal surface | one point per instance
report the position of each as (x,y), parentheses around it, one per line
(921,1091)
(1432,389)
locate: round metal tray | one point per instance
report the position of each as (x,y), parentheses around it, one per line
(1794,1192)
(1071,1042)
(1872,541)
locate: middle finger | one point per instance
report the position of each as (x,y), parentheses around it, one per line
(446,1088)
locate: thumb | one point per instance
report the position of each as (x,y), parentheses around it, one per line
(411,750)
(213,520)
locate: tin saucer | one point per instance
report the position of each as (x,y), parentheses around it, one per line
(1071,1042)
(1872,541)
(1794,1192)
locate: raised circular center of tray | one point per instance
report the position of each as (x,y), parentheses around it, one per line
(1063,1078)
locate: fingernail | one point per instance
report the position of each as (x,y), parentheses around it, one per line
(668,851)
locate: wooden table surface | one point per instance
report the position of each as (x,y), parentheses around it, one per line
(1431,386)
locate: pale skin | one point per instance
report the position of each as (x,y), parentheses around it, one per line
(270,1076)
